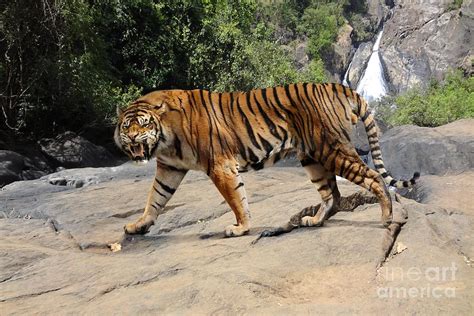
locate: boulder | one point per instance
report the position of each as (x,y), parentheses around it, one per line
(442,150)
(72,151)
(423,40)
(359,63)
(15,167)
(448,191)
(301,56)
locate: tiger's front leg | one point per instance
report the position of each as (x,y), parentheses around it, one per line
(226,177)
(164,185)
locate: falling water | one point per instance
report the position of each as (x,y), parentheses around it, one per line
(346,75)
(372,86)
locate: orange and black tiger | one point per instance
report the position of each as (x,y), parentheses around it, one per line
(224,133)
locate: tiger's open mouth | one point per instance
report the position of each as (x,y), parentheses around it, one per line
(139,152)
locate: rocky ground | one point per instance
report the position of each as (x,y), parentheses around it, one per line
(54,258)
(55,232)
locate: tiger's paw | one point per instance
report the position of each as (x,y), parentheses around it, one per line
(312,221)
(141,227)
(386,220)
(236,230)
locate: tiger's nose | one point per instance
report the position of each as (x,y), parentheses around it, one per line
(132,135)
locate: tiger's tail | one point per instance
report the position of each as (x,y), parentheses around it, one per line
(368,119)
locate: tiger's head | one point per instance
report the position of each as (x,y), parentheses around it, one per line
(142,128)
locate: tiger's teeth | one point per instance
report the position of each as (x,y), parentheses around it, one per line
(140,162)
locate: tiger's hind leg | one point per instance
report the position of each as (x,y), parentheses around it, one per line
(327,187)
(348,164)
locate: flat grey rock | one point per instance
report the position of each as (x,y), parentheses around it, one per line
(54,259)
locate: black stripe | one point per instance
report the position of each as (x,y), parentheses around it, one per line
(277,157)
(270,104)
(317,180)
(216,124)
(323,187)
(348,169)
(241,184)
(162,165)
(300,119)
(322,144)
(267,120)
(333,163)
(257,166)
(341,171)
(253,158)
(354,174)
(210,160)
(373,142)
(393,182)
(359,102)
(332,115)
(337,94)
(379,166)
(231,103)
(249,103)
(314,105)
(266,145)
(168,189)
(221,108)
(156,190)
(242,150)
(177,147)
(248,127)
(308,161)
(278,102)
(365,116)
(370,126)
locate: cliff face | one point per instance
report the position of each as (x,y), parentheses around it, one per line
(422,40)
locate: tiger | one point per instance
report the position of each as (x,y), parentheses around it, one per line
(224,134)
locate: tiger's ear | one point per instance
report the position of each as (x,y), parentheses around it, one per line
(160,107)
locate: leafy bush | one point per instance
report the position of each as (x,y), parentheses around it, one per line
(363,28)
(69,63)
(440,103)
(320,23)
(456,4)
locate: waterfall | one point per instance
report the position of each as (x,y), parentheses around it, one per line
(346,75)
(372,86)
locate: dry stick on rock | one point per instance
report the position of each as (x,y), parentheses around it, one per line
(346,204)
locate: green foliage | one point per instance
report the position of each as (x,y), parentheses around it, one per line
(69,63)
(320,23)
(314,73)
(362,28)
(441,103)
(456,4)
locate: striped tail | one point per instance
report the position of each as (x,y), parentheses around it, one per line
(371,129)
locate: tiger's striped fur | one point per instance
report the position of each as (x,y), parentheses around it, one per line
(224,133)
